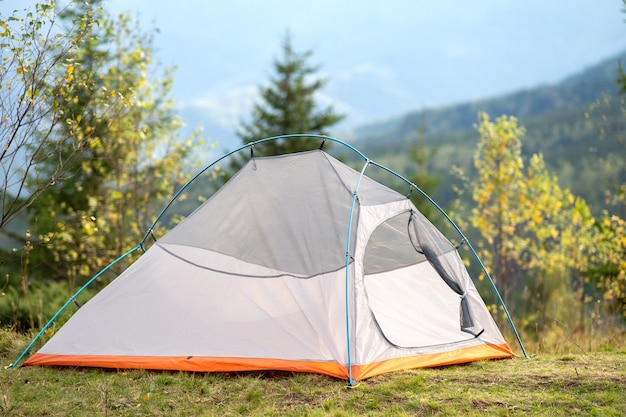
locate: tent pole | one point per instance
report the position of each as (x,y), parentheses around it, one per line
(348,245)
(70,301)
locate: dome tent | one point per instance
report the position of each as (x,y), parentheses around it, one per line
(297,263)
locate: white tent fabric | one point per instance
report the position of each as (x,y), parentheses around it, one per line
(257,278)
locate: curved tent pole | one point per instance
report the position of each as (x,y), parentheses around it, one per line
(469,245)
(71,300)
(348,240)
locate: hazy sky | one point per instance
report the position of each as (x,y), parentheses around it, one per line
(383,58)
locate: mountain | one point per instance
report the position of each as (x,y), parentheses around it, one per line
(574,91)
(559,124)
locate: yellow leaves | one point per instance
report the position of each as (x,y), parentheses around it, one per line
(537,217)
(89,225)
(525,214)
(72,254)
(69,73)
(139,155)
(84,270)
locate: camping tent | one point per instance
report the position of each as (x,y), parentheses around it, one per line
(297,263)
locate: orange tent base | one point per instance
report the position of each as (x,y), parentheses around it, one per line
(228,364)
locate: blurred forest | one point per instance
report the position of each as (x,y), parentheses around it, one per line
(92,150)
(577,124)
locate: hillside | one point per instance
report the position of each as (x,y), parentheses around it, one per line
(557,118)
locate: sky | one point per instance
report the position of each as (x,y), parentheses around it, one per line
(382,59)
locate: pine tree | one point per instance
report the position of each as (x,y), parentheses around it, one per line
(288,105)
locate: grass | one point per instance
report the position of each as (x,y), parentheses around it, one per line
(569,384)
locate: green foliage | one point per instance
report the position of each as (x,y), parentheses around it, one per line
(131,165)
(419,175)
(609,276)
(558,122)
(125,160)
(27,303)
(563,240)
(497,191)
(37,74)
(33,308)
(538,240)
(288,105)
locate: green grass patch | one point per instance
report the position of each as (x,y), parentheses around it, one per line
(584,384)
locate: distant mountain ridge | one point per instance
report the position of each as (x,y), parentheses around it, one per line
(559,124)
(574,91)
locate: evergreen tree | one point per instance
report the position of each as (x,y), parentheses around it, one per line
(288,105)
